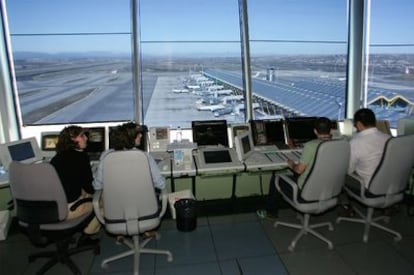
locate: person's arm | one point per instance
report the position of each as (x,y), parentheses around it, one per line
(353,159)
(88,177)
(307,156)
(98,177)
(157,178)
(298,168)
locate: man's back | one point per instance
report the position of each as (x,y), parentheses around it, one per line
(367,147)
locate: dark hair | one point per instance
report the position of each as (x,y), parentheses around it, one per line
(66,136)
(119,138)
(366,117)
(323,125)
(131,131)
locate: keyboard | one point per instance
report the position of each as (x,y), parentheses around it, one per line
(284,155)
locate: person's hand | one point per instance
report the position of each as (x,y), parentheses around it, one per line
(291,163)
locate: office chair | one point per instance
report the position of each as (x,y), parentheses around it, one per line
(42,208)
(405,126)
(320,190)
(130,203)
(387,185)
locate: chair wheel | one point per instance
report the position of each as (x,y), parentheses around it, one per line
(291,248)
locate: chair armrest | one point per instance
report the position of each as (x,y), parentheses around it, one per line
(96,206)
(292,184)
(79,202)
(358,179)
(163,196)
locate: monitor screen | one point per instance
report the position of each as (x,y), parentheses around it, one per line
(244,145)
(300,129)
(21,151)
(49,140)
(217,156)
(158,138)
(268,132)
(210,132)
(96,142)
(24,150)
(238,129)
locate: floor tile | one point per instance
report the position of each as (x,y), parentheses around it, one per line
(235,240)
(315,261)
(374,258)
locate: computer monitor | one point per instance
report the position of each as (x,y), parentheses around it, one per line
(96,142)
(210,132)
(244,145)
(49,141)
(221,156)
(268,132)
(383,126)
(300,129)
(158,139)
(405,126)
(25,150)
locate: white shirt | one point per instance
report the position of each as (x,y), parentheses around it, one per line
(157,178)
(367,147)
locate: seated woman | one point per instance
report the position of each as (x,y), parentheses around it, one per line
(74,169)
(128,137)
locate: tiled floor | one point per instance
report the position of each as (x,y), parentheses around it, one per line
(244,244)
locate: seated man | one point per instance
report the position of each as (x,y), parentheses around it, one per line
(367,147)
(300,169)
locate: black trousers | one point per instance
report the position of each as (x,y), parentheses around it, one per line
(274,200)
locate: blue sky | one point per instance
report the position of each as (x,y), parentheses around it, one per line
(200,20)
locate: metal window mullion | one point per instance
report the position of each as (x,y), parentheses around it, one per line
(355,56)
(136,65)
(245,51)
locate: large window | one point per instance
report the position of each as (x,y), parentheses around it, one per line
(298,57)
(72,60)
(183,44)
(389,82)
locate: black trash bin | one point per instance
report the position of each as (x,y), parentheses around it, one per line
(186,215)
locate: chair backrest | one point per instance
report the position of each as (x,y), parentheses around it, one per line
(37,192)
(328,172)
(405,126)
(128,191)
(394,169)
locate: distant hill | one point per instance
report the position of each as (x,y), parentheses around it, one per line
(66,55)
